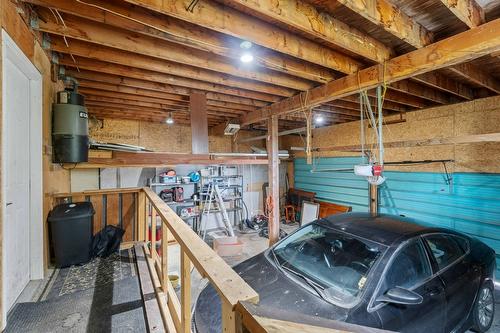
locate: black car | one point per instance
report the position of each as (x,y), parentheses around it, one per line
(385,272)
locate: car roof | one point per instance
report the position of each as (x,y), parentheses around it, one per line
(383,228)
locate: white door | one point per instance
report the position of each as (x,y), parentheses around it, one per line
(17,177)
(21,176)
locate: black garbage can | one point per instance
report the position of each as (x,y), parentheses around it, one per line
(71,227)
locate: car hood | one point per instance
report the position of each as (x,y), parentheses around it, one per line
(280,297)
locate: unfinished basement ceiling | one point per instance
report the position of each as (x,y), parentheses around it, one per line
(139,60)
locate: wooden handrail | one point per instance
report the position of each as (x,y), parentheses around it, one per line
(95,192)
(229,285)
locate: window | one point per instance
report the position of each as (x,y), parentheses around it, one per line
(445,249)
(337,262)
(409,268)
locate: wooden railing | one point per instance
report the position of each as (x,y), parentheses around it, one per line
(138,210)
(116,207)
(193,251)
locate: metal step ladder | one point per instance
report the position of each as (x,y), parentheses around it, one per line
(214,194)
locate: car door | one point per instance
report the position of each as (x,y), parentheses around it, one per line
(410,268)
(460,280)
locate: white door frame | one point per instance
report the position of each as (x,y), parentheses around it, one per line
(12,52)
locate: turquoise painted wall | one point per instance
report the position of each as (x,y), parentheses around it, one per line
(469,204)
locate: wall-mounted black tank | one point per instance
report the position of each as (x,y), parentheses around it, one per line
(70,131)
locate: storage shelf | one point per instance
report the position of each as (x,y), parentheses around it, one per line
(172,184)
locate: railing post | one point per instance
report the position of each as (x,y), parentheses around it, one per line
(185,292)
(141,216)
(164,256)
(153,252)
(228,317)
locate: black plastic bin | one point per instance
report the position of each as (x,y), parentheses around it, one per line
(71,228)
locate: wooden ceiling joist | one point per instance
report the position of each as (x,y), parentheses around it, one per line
(478,76)
(229,21)
(459,48)
(210,103)
(467,11)
(102,34)
(141,20)
(186,76)
(113,75)
(306,19)
(387,16)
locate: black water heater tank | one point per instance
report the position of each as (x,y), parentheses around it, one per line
(70,130)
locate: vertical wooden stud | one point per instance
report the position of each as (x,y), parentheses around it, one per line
(373,199)
(153,233)
(185,292)
(141,216)
(273,176)
(228,318)
(164,256)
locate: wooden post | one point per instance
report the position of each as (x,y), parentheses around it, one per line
(153,233)
(273,176)
(373,199)
(228,318)
(291,174)
(164,257)
(185,292)
(199,123)
(141,216)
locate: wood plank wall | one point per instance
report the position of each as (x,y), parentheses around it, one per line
(480,116)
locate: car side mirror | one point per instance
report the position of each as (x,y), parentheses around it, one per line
(400,295)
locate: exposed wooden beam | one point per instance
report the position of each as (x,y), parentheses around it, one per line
(445,83)
(167,91)
(386,15)
(415,89)
(462,47)
(141,20)
(106,35)
(303,17)
(146,75)
(478,76)
(467,11)
(157,104)
(179,74)
(199,124)
(229,21)
(273,196)
(264,137)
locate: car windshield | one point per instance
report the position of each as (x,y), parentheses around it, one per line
(334,263)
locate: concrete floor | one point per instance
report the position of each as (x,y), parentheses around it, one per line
(253,245)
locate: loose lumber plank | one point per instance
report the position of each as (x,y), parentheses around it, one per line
(462,47)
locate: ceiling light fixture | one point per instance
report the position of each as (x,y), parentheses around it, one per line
(246,57)
(319,119)
(170,120)
(245,45)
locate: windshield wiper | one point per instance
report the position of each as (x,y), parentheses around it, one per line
(318,289)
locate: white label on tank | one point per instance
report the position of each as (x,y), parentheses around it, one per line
(64,98)
(83,115)
(72,205)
